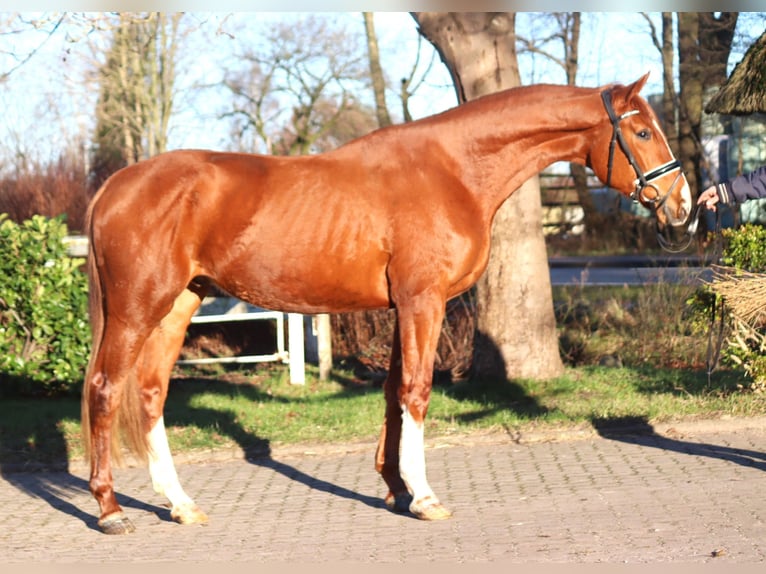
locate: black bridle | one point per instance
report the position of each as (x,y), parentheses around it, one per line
(645,180)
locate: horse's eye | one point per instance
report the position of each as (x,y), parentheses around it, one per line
(645,134)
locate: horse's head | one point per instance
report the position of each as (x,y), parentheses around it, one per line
(631,154)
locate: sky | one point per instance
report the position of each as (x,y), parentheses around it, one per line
(615,47)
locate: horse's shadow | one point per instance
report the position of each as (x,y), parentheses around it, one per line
(57,488)
(52,482)
(315,483)
(257,451)
(638,431)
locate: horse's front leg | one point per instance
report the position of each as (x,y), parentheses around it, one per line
(419,324)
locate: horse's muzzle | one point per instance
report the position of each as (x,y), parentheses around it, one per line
(676,237)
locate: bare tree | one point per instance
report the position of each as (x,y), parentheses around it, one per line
(558,43)
(516,329)
(136,90)
(663,41)
(417,77)
(14,24)
(311,67)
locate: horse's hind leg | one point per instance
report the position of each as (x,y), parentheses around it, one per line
(106,384)
(156,363)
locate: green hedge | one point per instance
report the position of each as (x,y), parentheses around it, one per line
(44,331)
(745,248)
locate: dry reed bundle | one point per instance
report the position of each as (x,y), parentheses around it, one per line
(744,293)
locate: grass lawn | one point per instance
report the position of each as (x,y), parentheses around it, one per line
(255,408)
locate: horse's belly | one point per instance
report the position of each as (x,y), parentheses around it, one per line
(304,263)
(321,285)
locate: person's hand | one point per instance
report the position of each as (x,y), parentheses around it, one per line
(708,198)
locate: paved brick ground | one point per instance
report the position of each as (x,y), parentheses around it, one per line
(678,495)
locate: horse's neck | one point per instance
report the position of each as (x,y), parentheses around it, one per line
(507,140)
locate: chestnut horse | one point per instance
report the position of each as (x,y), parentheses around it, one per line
(399,218)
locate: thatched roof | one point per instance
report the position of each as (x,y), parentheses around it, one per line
(745,90)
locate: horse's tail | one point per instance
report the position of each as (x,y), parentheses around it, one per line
(128,420)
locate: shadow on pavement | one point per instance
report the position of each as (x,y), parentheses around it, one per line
(638,431)
(56,488)
(315,483)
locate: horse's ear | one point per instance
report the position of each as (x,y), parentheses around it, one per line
(623,95)
(636,87)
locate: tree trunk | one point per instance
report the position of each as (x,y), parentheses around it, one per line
(515,326)
(376,72)
(716,35)
(570,33)
(704,44)
(668,90)
(690,78)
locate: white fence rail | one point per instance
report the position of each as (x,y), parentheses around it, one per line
(227,309)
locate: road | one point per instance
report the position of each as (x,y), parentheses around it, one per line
(627,270)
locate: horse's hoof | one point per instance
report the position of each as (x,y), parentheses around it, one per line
(188,514)
(398,502)
(116,524)
(430,509)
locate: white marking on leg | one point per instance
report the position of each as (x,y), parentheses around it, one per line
(163,472)
(412,459)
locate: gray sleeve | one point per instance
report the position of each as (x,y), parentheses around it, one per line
(744,187)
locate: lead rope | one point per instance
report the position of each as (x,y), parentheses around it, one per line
(714,348)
